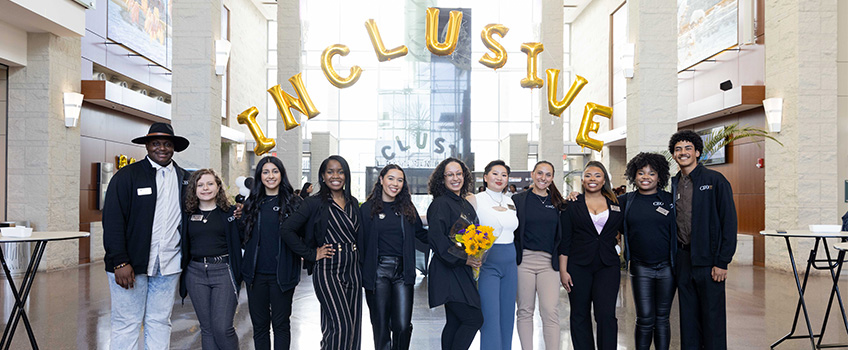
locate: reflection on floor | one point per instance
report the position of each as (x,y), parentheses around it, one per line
(69,309)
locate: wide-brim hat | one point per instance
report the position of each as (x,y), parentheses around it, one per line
(163,131)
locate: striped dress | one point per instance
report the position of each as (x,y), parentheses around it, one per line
(338,282)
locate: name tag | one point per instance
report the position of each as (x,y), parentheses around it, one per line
(510,206)
(146,191)
(196,217)
(615,208)
(662,211)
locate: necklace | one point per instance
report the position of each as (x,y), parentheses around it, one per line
(541,199)
(500,206)
(206,216)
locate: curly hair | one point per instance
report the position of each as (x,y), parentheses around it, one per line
(606,190)
(286,199)
(192,203)
(403,200)
(687,136)
(656,161)
(436,185)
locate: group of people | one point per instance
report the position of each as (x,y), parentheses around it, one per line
(165,228)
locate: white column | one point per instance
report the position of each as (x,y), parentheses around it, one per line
(550,127)
(322,146)
(289,143)
(513,150)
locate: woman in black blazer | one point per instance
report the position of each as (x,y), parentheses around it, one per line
(390,225)
(324,231)
(211,258)
(271,270)
(451,280)
(589,264)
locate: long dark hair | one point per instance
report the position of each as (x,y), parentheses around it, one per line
(325,191)
(489,167)
(286,200)
(304,190)
(192,202)
(556,198)
(403,200)
(436,185)
(606,190)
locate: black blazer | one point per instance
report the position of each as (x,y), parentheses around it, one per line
(520,201)
(369,237)
(581,242)
(450,278)
(234,238)
(305,229)
(128,214)
(288,263)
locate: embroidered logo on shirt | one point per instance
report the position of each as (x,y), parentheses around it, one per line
(658,204)
(275,208)
(231,219)
(185,182)
(706,187)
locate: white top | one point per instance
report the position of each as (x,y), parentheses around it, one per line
(165,240)
(600,219)
(504,222)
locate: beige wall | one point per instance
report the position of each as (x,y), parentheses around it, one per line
(842,105)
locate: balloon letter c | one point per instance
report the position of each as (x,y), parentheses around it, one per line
(330,73)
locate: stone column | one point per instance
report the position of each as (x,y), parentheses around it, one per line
(196,90)
(44,155)
(801,177)
(550,127)
(514,151)
(322,146)
(652,92)
(289,143)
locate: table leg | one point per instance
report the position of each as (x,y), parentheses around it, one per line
(800,297)
(18,311)
(833,290)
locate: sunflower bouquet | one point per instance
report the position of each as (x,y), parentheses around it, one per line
(474,241)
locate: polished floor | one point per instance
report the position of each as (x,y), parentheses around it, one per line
(69,309)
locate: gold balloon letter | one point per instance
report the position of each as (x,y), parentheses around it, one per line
(500,54)
(286,102)
(557,107)
(383,55)
(330,73)
(532,50)
(431,32)
(587,124)
(263,144)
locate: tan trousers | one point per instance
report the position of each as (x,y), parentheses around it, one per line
(536,276)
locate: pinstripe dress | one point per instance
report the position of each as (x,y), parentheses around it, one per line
(338,282)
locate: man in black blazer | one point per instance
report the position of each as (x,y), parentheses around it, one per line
(706,236)
(141,222)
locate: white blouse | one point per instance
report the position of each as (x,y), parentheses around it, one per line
(504,222)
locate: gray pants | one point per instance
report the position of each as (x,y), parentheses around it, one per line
(212,292)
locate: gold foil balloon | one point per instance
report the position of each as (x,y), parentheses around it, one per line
(588,124)
(330,73)
(132,160)
(377,42)
(532,50)
(286,102)
(431,32)
(500,54)
(557,107)
(263,144)
(121,160)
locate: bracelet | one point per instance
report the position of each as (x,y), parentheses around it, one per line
(121,265)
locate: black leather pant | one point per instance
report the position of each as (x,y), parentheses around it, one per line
(653,293)
(390,304)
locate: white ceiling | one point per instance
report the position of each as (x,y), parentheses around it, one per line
(572,9)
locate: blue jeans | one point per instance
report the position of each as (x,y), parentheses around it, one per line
(212,292)
(150,301)
(498,286)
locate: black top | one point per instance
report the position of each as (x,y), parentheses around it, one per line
(581,241)
(713,237)
(451,280)
(128,214)
(542,218)
(206,232)
(233,236)
(388,223)
(522,201)
(269,232)
(648,223)
(285,264)
(369,237)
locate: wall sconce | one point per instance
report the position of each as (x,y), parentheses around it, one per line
(72,103)
(627,59)
(774,113)
(222,56)
(240,152)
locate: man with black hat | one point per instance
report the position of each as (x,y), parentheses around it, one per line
(141,219)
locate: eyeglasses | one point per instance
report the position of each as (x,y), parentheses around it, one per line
(449,175)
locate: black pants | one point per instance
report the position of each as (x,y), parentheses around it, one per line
(462,323)
(703,314)
(595,287)
(390,304)
(653,292)
(269,305)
